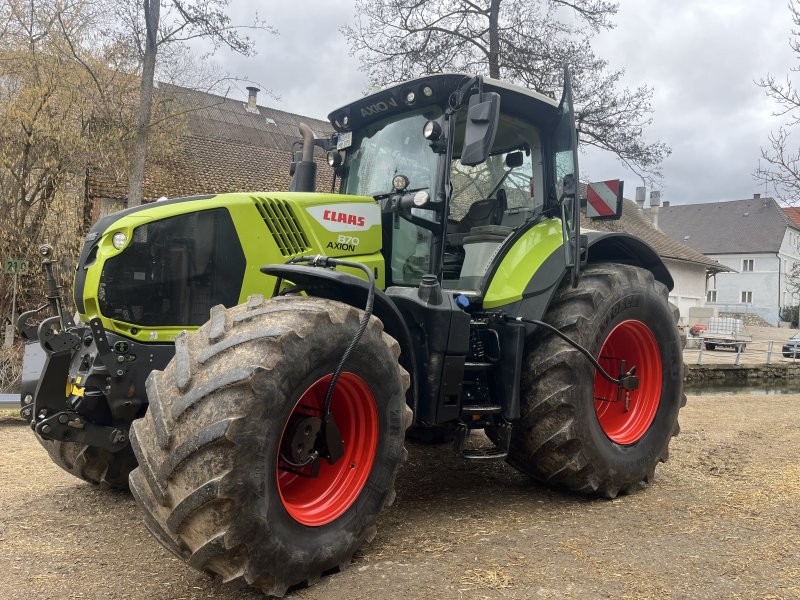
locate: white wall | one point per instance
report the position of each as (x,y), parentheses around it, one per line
(789,254)
(762,281)
(767,280)
(690,286)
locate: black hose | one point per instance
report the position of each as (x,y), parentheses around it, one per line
(324,261)
(326,406)
(622,381)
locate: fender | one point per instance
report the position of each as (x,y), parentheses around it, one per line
(348,289)
(627,249)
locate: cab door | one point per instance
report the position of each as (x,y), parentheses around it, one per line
(566,176)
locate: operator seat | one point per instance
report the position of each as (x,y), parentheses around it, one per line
(484,216)
(477,236)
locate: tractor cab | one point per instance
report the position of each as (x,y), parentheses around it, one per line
(459,165)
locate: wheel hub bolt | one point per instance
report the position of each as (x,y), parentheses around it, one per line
(63,419)
(46,429)
(28,399)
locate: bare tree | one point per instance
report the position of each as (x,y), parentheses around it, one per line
(151,28)
(61,108)
(523,41)
(779,166)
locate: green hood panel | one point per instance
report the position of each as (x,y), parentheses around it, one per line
(521,262)
(270,228)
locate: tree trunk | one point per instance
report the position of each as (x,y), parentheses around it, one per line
(494,39)
(152,9)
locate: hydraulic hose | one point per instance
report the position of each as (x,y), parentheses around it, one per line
(324,261)
(627,380)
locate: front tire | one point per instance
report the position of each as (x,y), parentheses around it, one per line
(95,465)
(217,479)
(573,433)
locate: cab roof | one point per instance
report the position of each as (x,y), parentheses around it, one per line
(523,103)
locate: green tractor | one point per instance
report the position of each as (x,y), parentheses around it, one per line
(447,286)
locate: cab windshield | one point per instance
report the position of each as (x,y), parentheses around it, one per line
(388,148)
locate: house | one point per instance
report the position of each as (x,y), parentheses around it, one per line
(689,268)
(754,238)
(227,145)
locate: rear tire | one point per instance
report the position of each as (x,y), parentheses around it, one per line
(213,480)
(566,437)
(92,464)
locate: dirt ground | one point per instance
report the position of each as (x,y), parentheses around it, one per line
(722,520)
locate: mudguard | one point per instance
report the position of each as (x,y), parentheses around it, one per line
(627,249)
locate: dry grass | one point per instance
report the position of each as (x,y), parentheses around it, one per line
(10,416)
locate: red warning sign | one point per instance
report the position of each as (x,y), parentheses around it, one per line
(604,199)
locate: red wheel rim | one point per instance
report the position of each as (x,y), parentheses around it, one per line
(315,501)
(633,342)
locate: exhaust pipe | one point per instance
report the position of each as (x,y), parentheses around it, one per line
(305,169)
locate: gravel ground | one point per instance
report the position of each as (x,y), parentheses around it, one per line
(721,521)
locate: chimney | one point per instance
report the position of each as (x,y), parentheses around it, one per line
(666,203)
(756,196)
(252,93)
(655,204)
(641,194)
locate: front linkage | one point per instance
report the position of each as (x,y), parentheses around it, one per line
(81,384)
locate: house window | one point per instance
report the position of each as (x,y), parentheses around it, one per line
(711,296)
(747,264)
(747,297)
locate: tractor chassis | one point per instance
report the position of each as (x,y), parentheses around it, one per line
(83,384)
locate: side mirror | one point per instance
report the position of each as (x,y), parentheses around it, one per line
(514,160)
(604,200)
(482,117)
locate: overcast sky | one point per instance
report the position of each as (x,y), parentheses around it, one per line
(701,56)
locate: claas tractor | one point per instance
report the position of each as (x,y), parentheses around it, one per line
(250,363)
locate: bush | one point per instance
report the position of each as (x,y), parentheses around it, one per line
(790,314)
(11,367)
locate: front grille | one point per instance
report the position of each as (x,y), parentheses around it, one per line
(283,225)
(174,270)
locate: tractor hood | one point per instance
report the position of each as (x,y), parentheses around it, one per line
(151,271)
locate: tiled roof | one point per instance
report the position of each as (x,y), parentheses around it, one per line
(635,223)
(738,226)
(226,149)
(217,117)
(793,212)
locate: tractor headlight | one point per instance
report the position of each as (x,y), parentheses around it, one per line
(119,240)
(400,182)
(432,131)
(334,158)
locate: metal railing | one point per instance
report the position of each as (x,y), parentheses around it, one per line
(755,352)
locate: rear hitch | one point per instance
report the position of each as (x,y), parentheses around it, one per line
(70,426)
